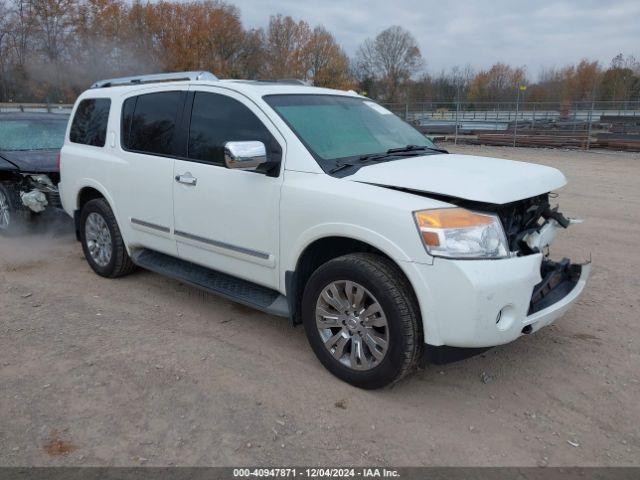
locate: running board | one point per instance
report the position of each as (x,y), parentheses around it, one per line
(228,286)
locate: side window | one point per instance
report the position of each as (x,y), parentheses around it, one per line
(149,122)
(217,119)
(89,126)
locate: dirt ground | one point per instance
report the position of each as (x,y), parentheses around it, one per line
(144,370)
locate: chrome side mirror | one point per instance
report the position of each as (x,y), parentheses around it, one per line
(244,155)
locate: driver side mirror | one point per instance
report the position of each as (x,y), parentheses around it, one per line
(246,155)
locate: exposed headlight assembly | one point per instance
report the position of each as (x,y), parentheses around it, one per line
(461,233)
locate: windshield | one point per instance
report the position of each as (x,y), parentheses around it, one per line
(335,127)
(32,134)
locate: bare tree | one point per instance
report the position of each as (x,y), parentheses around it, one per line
(251,62)
(21,29)
(500,82)
(285,44)
(621,81)
(4,48)
(393,57)
(327,64)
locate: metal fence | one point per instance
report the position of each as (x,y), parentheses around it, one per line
(518,119)
(509,110)
(36,107)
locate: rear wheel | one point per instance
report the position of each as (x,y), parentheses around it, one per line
(102,242)
(362,320)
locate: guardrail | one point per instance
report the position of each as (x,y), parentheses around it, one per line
(36,107)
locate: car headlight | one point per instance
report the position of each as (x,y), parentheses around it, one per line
(461,233)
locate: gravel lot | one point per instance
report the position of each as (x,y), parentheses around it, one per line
(147,371)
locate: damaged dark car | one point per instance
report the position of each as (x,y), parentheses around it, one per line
(29,168)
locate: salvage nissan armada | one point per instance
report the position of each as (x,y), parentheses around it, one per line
(317,205)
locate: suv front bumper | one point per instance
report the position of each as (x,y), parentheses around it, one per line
(483,303)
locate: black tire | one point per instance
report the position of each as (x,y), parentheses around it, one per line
(120,263)
(18,215)
(389,286)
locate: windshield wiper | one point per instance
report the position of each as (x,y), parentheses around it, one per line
(413,148)
(392,152)
(341,166)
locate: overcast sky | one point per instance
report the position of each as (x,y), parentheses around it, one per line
(527,33)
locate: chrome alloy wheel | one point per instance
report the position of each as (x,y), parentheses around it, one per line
(352,325)
(5,211)
(98,238)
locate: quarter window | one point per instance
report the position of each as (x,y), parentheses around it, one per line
(89,126)
(217,119)
(149,122)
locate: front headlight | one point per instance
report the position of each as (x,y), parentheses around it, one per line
(461,233)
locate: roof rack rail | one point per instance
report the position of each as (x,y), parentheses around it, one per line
(290,81)
(154,78)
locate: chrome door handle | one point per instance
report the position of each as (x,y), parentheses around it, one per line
(187,179)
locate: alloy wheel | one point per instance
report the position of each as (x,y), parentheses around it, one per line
(98,238)
(352,325)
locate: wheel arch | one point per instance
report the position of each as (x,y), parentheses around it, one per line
(85,194)
(319,251)
(7,176)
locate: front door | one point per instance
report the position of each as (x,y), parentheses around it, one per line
(227,219)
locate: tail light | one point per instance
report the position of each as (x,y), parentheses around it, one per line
(58,161)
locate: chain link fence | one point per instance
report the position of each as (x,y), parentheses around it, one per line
(568,124)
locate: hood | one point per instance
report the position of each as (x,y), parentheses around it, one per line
(481,179)
(5,165)
(32,161)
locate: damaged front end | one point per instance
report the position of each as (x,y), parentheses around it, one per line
(37,192)
(531,225)
(22,195)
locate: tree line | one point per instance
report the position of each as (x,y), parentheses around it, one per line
(51,50)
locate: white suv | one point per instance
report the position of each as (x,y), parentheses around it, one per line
(321,206)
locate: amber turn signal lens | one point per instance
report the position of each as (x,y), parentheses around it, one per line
(431,239)
(451,218)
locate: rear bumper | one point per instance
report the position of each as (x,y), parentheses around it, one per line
(483,303)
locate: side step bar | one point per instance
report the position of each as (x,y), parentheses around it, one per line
(232,288)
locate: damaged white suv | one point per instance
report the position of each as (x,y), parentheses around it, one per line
(321,206)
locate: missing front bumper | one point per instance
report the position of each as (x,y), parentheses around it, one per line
(559,279)
(562,284)
(558,300)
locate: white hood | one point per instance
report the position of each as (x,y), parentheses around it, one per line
(482,179)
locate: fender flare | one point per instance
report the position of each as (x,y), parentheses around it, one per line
(89,183)
(345,230)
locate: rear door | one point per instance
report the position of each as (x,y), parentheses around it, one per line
(227,219)
(149,142)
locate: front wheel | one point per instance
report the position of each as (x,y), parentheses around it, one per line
(362,320)
(13,215)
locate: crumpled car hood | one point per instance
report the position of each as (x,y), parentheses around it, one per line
(32,161)
(469,177)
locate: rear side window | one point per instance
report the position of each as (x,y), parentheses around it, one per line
(149,122)
(217,119)
(89,126)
